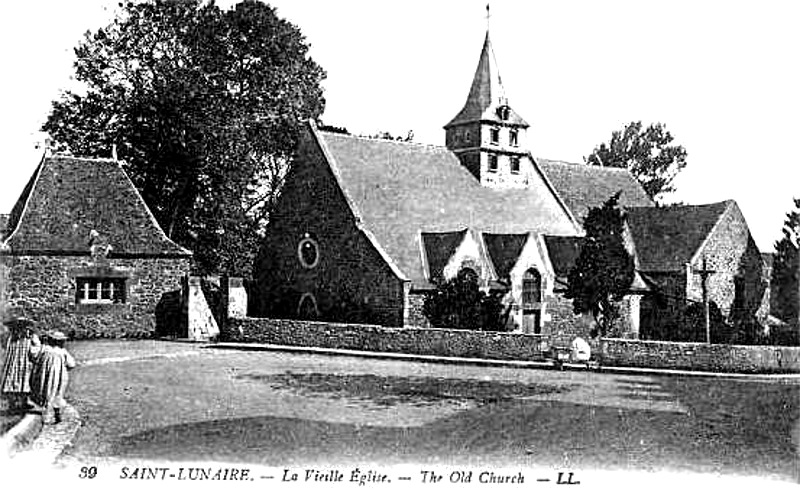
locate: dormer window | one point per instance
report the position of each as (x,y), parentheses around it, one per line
(513,137)
(494,136)
(492,163)
(467,136)
(514,165)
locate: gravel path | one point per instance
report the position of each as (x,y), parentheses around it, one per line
(178,402)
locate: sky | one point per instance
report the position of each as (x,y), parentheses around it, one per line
(723,76)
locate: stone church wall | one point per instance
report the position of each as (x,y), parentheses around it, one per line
(43,288)
(351,281)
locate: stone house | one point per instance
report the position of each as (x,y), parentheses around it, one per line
(84,254)
(675,244)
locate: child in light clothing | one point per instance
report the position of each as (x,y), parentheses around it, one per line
(51,376)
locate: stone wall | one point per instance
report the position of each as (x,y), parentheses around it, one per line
(699,356)
(414,315)
(350,281)
(564,325)
(432,341)
(44,289)
(510,346)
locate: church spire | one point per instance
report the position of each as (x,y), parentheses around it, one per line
(486,93)
(487,136)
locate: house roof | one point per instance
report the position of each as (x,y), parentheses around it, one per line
(486,94)
(504,251)
(68,197)
(584,186)
(398,190)
(667,238)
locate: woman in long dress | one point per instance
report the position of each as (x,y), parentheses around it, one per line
(17,368)
(51,376)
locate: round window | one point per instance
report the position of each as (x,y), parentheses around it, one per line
(308,252)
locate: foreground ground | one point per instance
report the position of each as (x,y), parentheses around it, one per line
(162,401)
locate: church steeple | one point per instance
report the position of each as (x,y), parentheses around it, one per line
(487,135)
(486,94)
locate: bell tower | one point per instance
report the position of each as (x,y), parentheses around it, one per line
(487,135)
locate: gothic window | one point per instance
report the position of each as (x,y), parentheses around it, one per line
(513,137)
(492,163)
(531,287)
(308,252)
(100,290)
(494,136)
(514,165)
(467,136)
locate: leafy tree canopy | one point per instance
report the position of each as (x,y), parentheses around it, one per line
(786,268)
(647,152)
(203,106)
(459,303)
(603,271)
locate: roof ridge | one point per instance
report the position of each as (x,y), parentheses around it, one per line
(676,207)
(578,164)
(81,158)
(385,140)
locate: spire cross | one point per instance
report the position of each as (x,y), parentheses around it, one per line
(488,15)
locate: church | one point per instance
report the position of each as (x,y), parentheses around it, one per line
(365,227)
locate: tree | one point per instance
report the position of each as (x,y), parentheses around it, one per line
(204,107)
(647,153)
(459,303)
(603,271)
(785,299)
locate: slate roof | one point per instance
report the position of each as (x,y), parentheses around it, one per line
(399,190)
(666,238)
(486,93)
(438,248)
(68,197)
(584,186)
(504,251)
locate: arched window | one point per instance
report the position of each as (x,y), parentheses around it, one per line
(469,274)
(531,287)
(307,307)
